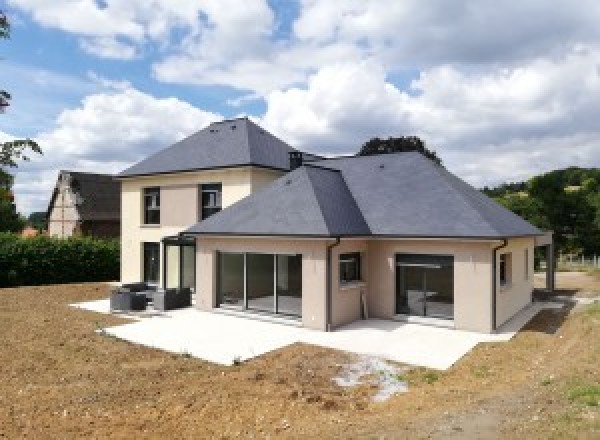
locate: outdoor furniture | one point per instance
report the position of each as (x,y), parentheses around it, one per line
(171,299)
(145,288)
(123,300)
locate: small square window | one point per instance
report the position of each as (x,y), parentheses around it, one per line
(209,199)
(350,270)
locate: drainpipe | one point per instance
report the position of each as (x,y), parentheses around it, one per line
(494,258)
(328,300)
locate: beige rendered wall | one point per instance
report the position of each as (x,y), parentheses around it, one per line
(472,278)
(516,294)
(345,299)
(313,270)
(179,207)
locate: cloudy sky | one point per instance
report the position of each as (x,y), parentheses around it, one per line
(501,90)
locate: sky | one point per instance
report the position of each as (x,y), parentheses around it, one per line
(500,90)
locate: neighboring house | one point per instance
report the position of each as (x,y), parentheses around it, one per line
(29,231)
(322,241)
(85,204)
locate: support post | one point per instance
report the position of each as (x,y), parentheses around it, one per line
(550,268)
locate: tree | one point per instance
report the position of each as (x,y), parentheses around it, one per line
(398,145)
(14,150)
(10,220)
(10,153)
(37,220)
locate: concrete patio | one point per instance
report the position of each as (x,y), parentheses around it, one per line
(222,338)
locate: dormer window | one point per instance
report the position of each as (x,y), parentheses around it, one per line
(152,206)
(210,199)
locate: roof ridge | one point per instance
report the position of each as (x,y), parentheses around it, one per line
(449,177)
(321,206)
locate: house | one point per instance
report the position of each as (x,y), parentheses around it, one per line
(84,204)
(255,226)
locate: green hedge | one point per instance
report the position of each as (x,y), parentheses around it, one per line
(46,260)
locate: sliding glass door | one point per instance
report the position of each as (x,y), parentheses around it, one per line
(269,283)
(231,280)
(180,263)
(425,285)
(260,286)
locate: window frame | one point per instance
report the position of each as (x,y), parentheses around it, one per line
(216,188)
(149,244)
(151,193)
(505,269)
(350,258)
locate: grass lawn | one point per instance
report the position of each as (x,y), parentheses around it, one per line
(61,379)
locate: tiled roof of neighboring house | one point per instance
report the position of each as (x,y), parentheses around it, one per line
(229,143)
(307,201)
(400,195)
(98,195)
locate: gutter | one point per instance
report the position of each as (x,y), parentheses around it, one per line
(328,299)
(494,284)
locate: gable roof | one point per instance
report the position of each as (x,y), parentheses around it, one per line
(308,201)
(396,195)
(99,195)
(229,143)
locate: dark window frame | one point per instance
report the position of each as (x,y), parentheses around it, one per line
(145,276)
(151,201)
(216,205)
(346,261)
(505,269)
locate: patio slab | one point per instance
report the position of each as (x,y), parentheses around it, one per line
(223,339)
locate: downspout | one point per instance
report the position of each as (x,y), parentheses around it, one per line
(328,299)
(494,259)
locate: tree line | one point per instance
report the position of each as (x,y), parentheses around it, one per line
(565,201)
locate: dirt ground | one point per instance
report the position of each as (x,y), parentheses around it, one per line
(579,284)
(61,379)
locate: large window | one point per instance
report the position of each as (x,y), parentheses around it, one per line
(151,262)
(350,267)
(262,282)
(210,199)
(152,206)
(425,285)
(505,269)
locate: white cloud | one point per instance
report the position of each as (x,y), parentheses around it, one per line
(108,47)
(487,125)
(107,132)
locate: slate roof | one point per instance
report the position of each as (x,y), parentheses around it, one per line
(397,195)
(229,143)
(308,201)
(99,195)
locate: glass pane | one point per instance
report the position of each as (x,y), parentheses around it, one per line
(289,284)
(151,260)
(231,279)
(440,292)
(172,266)
(188,277)
(425,285)
(410,297)
(260,270)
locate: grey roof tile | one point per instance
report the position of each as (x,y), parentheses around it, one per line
(402,195)
(228,143)
(308,201)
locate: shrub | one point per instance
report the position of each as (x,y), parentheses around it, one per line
(47,260)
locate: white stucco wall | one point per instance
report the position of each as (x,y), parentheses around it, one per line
(179,207)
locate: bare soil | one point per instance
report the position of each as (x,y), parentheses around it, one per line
(576,284)
(61,379)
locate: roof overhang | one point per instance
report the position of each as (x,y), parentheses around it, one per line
(195,170)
